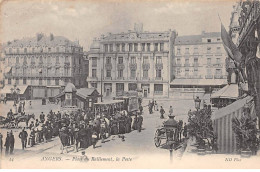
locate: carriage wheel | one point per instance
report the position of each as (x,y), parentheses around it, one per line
(157,139)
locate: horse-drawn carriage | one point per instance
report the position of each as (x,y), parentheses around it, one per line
(170,133)
(12,122)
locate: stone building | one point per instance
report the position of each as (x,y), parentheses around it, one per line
(199,64)
(43,63)
(132,61)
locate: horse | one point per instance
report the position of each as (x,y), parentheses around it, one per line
(24,118)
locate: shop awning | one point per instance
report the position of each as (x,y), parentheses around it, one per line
(199,82)
(227,92)
(8,69)
(7,89)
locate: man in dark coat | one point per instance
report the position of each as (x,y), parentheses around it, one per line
(63,134)
(162,112)
(42,117)
(11,142)
(134,127)
(83,137)
(139,122)
(76,138)
(7,143)
(122,125)
(128,124)
(23,136)
(114,126)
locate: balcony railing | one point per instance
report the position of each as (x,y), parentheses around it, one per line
(120,78)
(159,66)
(133,66)
(218,65)
(145,78)
(108,78)
(218,77)
(209,76)
(146,66)
(178,65)
(132,78)
(158,92)
(108,66)
(120,66)
(158,78)
(195,64)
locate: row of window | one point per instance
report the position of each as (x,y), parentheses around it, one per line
(196,50)
(41,50)
(17,81)
(158,88)
(48,59)
(132,73)
(120,60)
(133,47)
(209,71)
(196,60)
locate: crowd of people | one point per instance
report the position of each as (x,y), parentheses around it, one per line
(76,129)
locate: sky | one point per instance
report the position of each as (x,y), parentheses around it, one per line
(85,20)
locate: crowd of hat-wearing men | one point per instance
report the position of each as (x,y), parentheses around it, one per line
(79,129)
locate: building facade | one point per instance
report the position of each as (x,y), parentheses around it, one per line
(199,64)
(44,63)
(132,61)
(247,40)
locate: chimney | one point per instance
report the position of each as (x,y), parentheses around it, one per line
(51,37)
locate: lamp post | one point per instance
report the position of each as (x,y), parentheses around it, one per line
(197,103)
(15,92)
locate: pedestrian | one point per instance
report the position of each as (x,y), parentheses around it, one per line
(185,130)
(155,106)
(134,126)
(139,122)
(150,106)
(12,140)
(114,126)
(103,133)
(42,117)
(64,138)
(32,138)
(23,136)
(76,138)
(7,144)
(94,139)
(171,110)
(31,125)
(122,124)
(1,143)
(83,137)
(128,124)
(162,112)
(141,109)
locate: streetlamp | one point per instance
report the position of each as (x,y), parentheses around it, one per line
(15,92)
(197,103)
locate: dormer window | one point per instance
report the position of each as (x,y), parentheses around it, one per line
(208,40)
